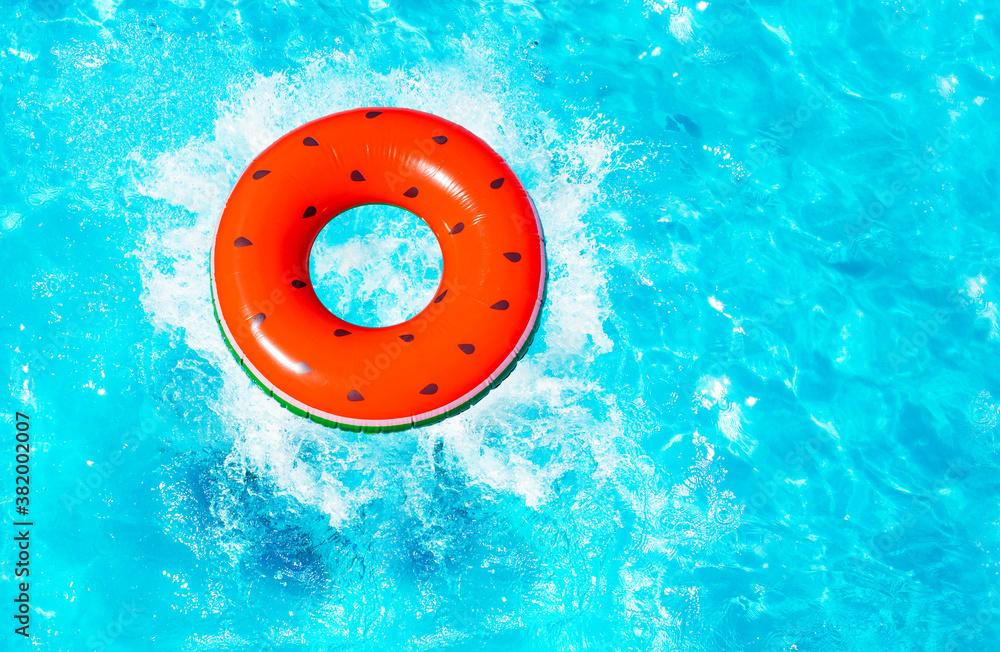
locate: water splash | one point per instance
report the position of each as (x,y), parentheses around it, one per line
(548,409)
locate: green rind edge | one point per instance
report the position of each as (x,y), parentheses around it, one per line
(376,429)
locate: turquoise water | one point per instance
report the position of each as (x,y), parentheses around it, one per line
(761,412)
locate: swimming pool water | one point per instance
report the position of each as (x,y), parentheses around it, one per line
(761,411)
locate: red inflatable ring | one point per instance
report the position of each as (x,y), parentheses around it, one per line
(441,361)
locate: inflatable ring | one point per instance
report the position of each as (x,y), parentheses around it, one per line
(483,315)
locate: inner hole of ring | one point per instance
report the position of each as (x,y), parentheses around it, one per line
(376,265)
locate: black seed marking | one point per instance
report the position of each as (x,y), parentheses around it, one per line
(355,395)
(242,242)
(467,349)
(430,389)
(501,305)
(458,228)
(373,114)
(309,141)
(257,320)
(357,176)
(260,174)
(496,183)
(340,332)
(309,212)
(512,256)
(440,140)
(412,192)
(298,284)
(440,297)
(406,338)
